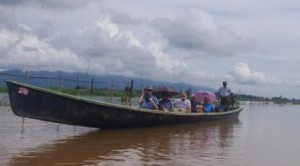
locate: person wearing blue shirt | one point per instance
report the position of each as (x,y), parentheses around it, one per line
(165,103)
(207,106)
(147,100)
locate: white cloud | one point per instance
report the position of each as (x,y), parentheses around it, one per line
(164,62)
(63,4)
(123,18)
(197,31)
(112,29)
(187,41)
(27,52)
(242,74)
(7,38)
(7,17)
(296,85)
(120,52)
(103,43)
(51,4)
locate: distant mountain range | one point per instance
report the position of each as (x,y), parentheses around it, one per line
(72,80)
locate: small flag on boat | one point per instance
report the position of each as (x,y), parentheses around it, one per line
(23,91)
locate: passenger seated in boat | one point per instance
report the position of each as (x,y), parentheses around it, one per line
(165,103)
(147,100)
(183,104)
(194,104)
(207,106)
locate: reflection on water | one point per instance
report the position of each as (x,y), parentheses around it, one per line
(170,145)
(18,133)
(263,135)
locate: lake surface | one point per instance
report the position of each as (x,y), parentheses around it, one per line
(265,134)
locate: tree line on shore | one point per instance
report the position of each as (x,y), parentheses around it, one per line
(124,94)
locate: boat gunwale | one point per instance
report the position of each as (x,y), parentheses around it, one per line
(136,109)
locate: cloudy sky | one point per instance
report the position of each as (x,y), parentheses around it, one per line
(253,44)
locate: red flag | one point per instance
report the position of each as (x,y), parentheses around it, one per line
(23,91)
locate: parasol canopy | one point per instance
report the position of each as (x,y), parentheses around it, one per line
(160,91)
(201,95)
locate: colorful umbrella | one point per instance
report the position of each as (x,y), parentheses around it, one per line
(164,90)
(201,95)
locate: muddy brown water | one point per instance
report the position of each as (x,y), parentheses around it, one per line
(265,134)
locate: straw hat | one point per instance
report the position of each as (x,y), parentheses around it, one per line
(148,88)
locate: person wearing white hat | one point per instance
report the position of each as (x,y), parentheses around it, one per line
(147,100)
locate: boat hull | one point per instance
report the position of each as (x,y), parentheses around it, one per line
(39,103)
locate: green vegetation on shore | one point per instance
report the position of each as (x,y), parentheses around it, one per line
(124,94)
(3,89)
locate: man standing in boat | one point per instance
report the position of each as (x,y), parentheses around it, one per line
(147,100)
(225,93)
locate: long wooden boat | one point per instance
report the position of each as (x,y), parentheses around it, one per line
(43,104)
